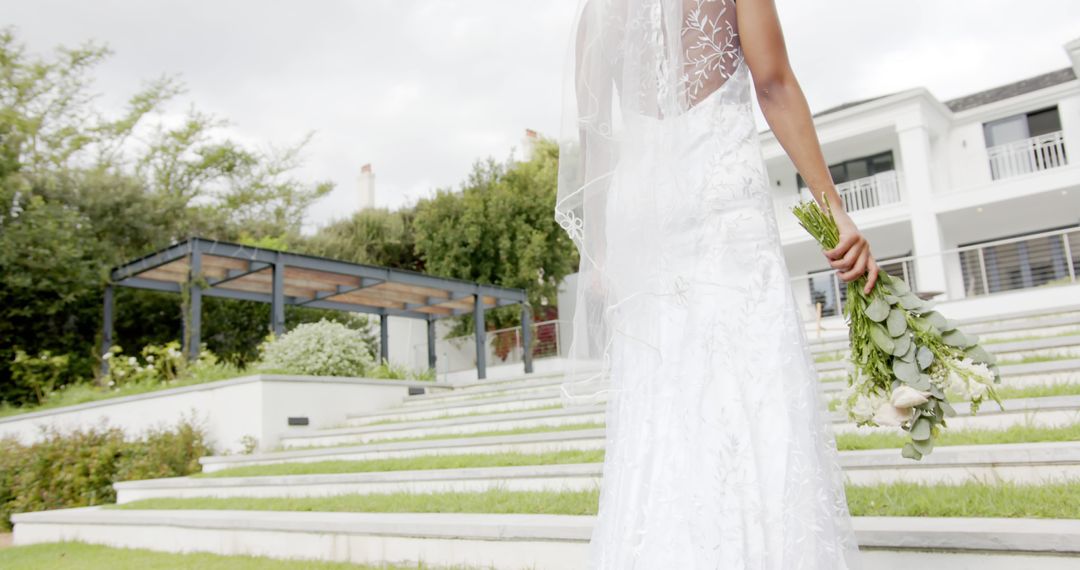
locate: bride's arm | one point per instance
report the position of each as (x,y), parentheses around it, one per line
(785,109)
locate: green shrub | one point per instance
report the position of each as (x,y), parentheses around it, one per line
(162,367)
(386,369)
(41,373)
(324,348)
(78,468)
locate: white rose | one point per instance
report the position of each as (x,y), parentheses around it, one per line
(863,409)
(908,397)
(890,415)
(978,390)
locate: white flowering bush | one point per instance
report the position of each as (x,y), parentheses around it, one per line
(160,364)
(324,348)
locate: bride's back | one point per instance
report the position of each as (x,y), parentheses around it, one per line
(661,56)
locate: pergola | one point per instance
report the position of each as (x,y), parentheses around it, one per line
(214,268)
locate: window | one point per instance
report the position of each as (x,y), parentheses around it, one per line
(827,288)
(1023,143)
(856,168)
(1022,126)
(1020,264)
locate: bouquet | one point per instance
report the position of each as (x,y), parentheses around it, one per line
(908,360)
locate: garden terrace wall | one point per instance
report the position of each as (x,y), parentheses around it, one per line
(257,406)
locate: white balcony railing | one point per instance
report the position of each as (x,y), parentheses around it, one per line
(881,189)
(1027,155)
(1045,259)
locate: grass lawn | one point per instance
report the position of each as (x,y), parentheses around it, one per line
(455,416)
(1013,434)
(1015,392)
(1060,500)
(515,431)
(455,461)
(79,556)
(1029,337)
(845,441)
(1035,358)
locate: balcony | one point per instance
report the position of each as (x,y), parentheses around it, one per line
(881,189)
(1028,155)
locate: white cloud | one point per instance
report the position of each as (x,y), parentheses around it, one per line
(422,88)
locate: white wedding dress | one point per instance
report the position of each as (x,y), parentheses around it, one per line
(720,453)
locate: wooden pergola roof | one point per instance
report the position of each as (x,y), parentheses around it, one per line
(238,271)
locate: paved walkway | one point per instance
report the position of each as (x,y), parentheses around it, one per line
(5,539)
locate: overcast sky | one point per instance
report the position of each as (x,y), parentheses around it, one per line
(423,88)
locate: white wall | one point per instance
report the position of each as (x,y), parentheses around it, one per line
(257,406)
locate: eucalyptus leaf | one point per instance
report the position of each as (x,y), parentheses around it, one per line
(923,383)
(910,452)
(938,320)
(923,446)
(890,298)
(955,338)
(925,357)
(903,344)
(910,301)
(877,310)
(947,409)
(898,285)
(881,338)
(906,371)
(979,354)
(920,431)
(909,354)
(896,322)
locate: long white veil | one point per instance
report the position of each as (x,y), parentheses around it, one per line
(630,64)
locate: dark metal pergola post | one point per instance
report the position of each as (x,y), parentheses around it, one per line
(277,297)
(194,320)
(107,329)
(481,343)
(526,337)
(431,343)
(384,336)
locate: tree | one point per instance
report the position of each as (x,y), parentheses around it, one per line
(500,229)
(81,192)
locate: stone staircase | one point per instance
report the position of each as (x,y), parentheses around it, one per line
(473,419)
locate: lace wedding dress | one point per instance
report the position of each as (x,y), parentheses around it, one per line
(720,452)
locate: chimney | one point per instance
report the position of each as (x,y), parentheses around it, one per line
(366,187)
(1073,49)
(528,144)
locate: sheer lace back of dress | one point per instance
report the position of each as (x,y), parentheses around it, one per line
(669,55)
(710,46)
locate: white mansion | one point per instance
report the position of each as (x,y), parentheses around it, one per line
(966,198)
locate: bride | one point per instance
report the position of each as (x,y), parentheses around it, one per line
(719,451)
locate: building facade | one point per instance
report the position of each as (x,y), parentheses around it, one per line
(968,199)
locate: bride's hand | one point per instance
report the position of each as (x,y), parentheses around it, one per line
(851,257)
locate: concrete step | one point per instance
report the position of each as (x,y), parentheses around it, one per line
(518,541)
(1017,375)
(832,381)
(1043,412)
(436,410)
(538,442)
(473,393)
(483,389)
(1050,346)
(461,425)
(1056,321)
(1048,412)
(1026,463)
